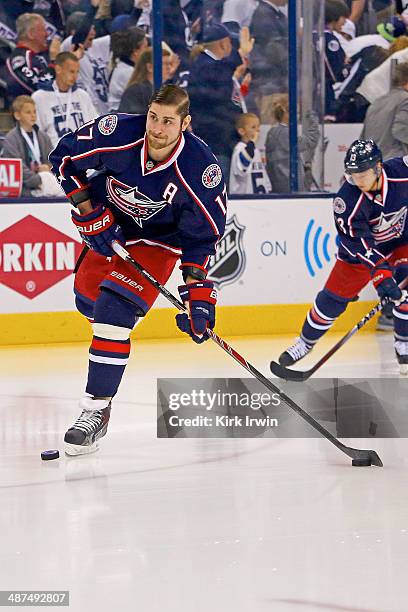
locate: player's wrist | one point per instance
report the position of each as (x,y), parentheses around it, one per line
(85,207)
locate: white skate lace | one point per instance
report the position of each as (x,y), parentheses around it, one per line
(299,349)
(88,421)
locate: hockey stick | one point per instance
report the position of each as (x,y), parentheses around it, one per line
(299,376)
(358,456)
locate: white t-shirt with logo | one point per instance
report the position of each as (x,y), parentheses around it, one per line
(60,112)
(246,176)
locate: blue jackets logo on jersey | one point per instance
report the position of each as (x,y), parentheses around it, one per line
(228,263)
(132,202)
(389,226)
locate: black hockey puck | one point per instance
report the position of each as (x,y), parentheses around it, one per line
(49,454)
(361,462)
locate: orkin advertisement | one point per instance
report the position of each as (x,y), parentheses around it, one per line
(273,252)
(38,250)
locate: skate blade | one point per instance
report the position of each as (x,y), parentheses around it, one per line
(72,450)
(384,328)
(404,369)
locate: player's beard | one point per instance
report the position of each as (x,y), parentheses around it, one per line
(160,143)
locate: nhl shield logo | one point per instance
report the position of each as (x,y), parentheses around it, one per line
(228,263)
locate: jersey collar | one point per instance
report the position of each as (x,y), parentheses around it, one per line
(166,162)
(384,190)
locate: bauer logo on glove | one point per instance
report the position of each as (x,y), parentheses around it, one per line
(98,229)
(200,299)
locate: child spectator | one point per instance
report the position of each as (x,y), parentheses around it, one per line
(28,143)
(277,147)
(248,172)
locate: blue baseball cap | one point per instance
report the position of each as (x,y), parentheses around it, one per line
(215,31)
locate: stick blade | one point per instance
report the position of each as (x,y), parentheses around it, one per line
(287,374)
(364,457)
(375,459)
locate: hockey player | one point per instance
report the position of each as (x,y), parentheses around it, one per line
(370,212)
(161,192)
(248,173)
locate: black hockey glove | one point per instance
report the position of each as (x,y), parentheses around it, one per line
(386,286)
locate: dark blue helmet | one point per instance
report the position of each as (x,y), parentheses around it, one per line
(362,155)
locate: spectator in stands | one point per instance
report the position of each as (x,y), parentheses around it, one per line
(336,63)
(378,82)
(366,14)
(177,29)
(366,53)
(210,89)
(27,69)
(387,118)
(277,146)
(269,58)
(239,12)
(137,95)
(51,10)
(248,173)
(32,146)
(63,107)
(94,63)
(126,48)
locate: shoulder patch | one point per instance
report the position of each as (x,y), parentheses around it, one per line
(339,205)
(212,176)
(333,46)
(405,160)
(107,125)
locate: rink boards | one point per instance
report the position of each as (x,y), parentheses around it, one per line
(274,257)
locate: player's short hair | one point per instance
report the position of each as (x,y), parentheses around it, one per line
(400,76)
(19,102)
(25,22)
(334,9)
(173,95)
(242,119)
(64,56)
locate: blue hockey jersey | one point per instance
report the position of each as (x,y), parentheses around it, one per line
(370,225)
(179,204)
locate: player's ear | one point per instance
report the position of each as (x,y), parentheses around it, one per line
(186,122)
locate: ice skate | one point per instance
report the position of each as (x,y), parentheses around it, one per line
(401,351)
(385,323)
(90,426)
(296,352)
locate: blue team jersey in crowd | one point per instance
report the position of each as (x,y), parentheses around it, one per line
(179,203)
(371,225)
